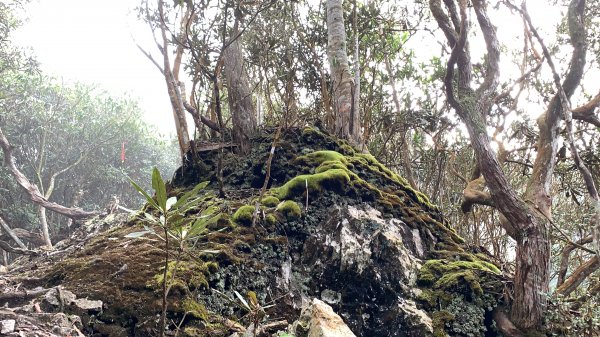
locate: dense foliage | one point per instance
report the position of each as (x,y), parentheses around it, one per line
(68,139)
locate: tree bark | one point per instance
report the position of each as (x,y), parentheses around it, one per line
(527,225)
(347,122)
(44,225)
(239,96)
(171,79)
(578,276)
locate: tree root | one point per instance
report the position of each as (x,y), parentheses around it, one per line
(505,325)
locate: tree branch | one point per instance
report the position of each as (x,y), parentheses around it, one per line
(474,194)
(198,116)
(33,191)
(586,112)
(492,73)
(564,258)
(578,276)
(11,233)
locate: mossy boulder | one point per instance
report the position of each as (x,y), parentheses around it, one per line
(333,223)
(243,215)
(289,209)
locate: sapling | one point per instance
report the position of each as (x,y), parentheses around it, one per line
(174,224)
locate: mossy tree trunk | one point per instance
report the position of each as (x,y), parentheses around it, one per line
(525,218)
(347,119)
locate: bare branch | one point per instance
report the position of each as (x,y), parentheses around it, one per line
(586,112)
(33,191)
(151,58)
(492,73)
(578,276)
(564,259)
(474,194)
(12,234)
(200,117)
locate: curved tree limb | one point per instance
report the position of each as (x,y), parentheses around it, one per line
(21,251)
(33,191)
(586,112)
(197,116)
(564,258)
(578,276)
(492,73)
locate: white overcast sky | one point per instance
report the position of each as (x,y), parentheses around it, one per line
(91,41)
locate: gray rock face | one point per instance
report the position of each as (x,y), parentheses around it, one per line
(350,257)
(319,320)
(365,267)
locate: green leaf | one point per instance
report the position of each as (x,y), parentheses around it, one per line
(404,37)
(142,192)
(191,193)
(159,187)
(198,227)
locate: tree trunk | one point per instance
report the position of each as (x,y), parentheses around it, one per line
(44,225)
(355,128)
(532,275)
(347,122)
(171,79)
(239,96)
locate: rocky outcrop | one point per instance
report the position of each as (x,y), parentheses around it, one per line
(334,225)
(319,320)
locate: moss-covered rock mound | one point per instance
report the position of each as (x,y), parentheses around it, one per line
(333,223)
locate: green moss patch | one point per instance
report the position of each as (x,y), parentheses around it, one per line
(270,201)
(462,276)
(331,180)
(289,209)
(243,215)
(184,276)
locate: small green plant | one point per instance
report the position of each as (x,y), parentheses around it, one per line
(174,224)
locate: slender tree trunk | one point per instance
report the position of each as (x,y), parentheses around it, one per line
(240,96)
(355,119)
(171,79)
(44,225)
(290,101)
(4,258)
(347,123)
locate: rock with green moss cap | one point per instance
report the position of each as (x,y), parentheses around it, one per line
(243,215)
(399,267)
(289,209)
